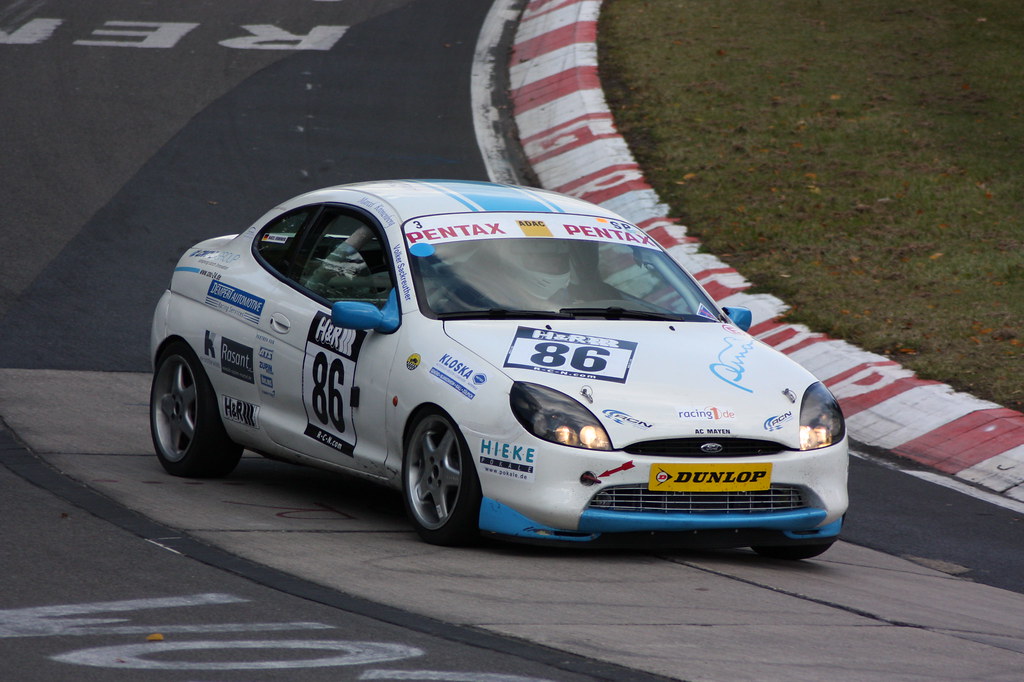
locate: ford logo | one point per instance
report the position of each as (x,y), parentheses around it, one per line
(711,448)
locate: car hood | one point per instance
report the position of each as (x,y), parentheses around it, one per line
(650,380)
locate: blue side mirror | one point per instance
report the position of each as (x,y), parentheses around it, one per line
(361,315)
(741,317)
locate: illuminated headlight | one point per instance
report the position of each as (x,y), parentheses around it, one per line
(555,417)
(821,420)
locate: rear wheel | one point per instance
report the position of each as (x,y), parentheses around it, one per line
(792,552)
(439,482)
(188,435)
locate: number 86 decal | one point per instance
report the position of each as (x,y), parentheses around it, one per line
(584,358)
(576,355)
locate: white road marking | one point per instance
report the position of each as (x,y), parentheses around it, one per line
(443,676)
(49,621)
(133,656)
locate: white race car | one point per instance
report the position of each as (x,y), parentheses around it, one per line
(518,363)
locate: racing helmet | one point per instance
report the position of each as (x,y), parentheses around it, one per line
(539,266)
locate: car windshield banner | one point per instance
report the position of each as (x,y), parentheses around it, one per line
(444,229)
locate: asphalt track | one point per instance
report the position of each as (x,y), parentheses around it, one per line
(335,541)
(172,183)
(276,127)
(198,597)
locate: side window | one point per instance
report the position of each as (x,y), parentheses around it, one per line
(277,243)
(619,267)
(346,261)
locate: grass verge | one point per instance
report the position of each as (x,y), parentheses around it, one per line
(863,161)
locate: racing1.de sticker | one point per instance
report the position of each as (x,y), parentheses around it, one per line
(574,355)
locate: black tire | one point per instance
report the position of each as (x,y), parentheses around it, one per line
(184,418)
(439,482)
(792,552)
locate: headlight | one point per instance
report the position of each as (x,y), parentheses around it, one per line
(821,420)
(554,416)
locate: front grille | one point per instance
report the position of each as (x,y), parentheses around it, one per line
(691,447)
(637,498)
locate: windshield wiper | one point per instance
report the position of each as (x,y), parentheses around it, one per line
(502,314)
(617,313)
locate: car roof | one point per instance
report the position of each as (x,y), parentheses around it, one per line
(408,199)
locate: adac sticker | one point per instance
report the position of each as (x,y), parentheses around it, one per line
(413,361)
(534,228)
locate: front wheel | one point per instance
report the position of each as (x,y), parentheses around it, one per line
(188,435)
(439,482)
(792,552)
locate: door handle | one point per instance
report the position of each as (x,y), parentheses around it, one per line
(279,323)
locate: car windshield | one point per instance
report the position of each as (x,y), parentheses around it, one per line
(509,266)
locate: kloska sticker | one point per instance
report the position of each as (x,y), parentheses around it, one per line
(457,374)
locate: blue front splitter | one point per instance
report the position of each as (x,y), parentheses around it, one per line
(802,524)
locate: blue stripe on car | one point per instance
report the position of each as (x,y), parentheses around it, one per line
(483,196)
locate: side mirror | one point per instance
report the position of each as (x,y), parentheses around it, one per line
(361,315)
(741,317)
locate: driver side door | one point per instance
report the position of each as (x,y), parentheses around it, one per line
(321,409)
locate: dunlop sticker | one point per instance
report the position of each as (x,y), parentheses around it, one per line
(710,477)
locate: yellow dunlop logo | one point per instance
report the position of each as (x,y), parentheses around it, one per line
(710,477)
